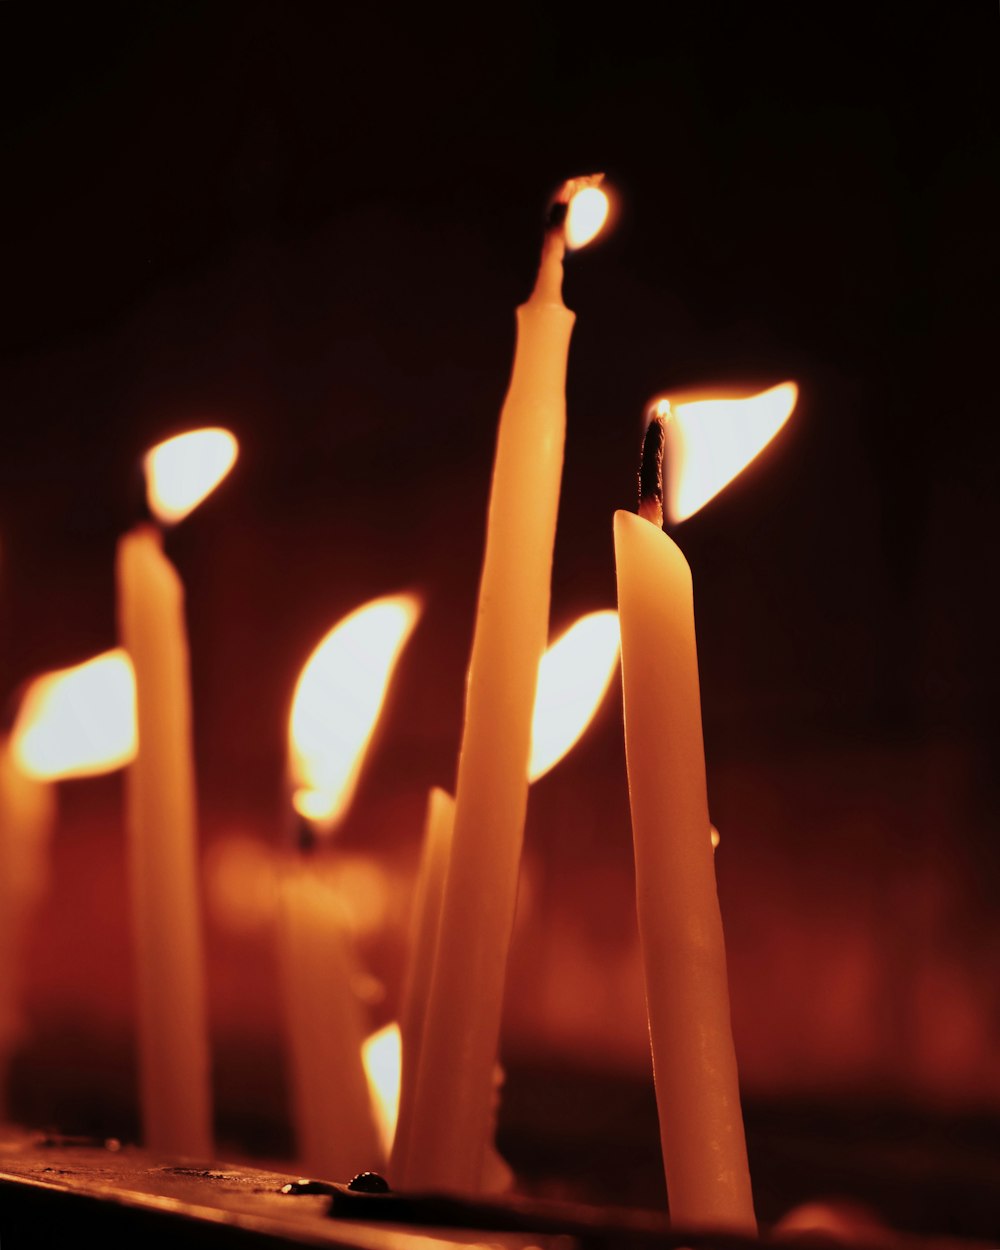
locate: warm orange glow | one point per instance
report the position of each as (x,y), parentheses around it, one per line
(79,721)
(181,472)
(573,677)
(240,885)
(382,1055)
(714,834)
(711,439)
(362,887)
(336,705)
(586,214)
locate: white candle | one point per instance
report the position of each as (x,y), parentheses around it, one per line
(174,1060)
(680,927)
(73,722)
(452,1104)
(27,809)
(336,1135)
(425,926)
(335,710)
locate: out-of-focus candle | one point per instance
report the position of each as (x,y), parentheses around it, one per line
(680,926)
(425,924)
(27,808)
(174,1060)
(75,722)
(335,709)
(335,1128)
(573,676)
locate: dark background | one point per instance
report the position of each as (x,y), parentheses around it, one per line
(312,224)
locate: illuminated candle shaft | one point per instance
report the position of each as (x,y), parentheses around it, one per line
(451,1120)
(334,1120)
(163,855)
(424,929)
(680,927)
(27,808)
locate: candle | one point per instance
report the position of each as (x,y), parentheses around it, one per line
(174,1062)
(425,926)
(26,816)
(680,926)
(335,1130)
(335,709)
(573,677)
(452,1102)
(74,722)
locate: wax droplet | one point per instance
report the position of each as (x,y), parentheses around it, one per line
(369,1183)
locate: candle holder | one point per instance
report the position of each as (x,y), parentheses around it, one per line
(123,1195)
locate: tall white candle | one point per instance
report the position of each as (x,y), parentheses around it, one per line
(174,1062)
(711,439)
(454,1093)
(680,927)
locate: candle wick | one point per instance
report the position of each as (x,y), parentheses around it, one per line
(651,467)
(305,836)
(555,219)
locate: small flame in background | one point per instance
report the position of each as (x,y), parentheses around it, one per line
(336,705)
(710,440)
(586,214)
(382,1055)
(573,678)
(79,721)
(182,471)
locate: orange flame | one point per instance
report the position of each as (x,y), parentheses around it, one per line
(382,1055)
(711,439)
(79,721)
(336,705)
(182,471)
(586,214)
(573,677)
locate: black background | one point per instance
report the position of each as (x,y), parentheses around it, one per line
(311,223)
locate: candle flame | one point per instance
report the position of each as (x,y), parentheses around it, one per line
(712,439)
(79,721)
(337,701)
(382,1055)
(182,471)
(586,214)
(573,677)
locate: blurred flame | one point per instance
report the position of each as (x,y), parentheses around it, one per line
(337,702)
(573,676)
(79,721)
(382,1055)
(182,471)
(711,440)
(586,214)
(714,835)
